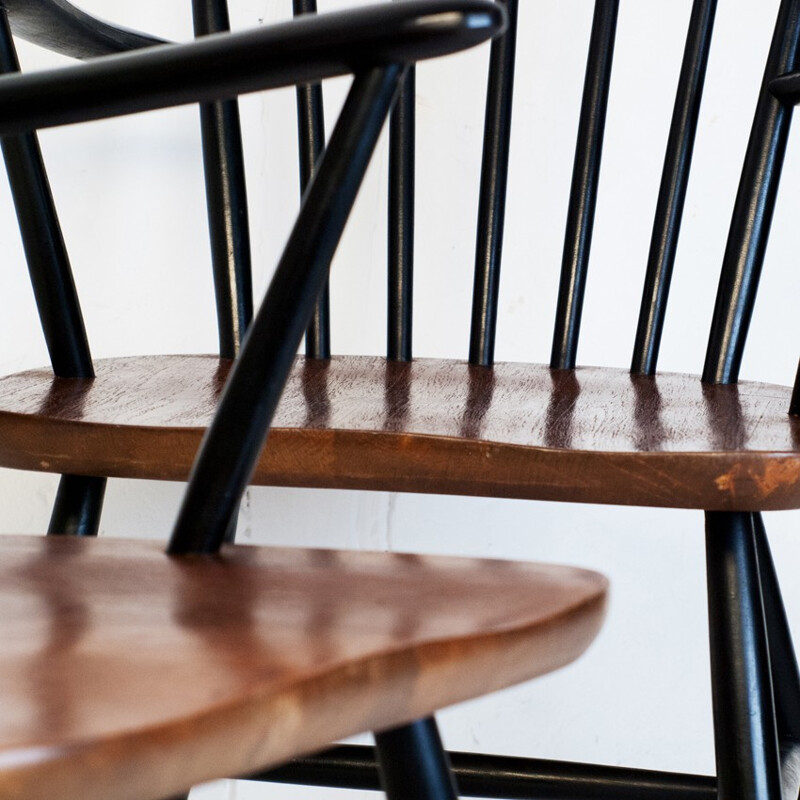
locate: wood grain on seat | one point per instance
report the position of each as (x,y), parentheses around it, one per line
(515,430)
(128,674)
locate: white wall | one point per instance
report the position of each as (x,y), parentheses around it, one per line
(130,193)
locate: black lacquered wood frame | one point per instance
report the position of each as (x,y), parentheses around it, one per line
(240,426)
(754,207)
(413,763)
(79,498)
(754,668)
(226,195)
(231,447)
(63,28)
(493,189)
(585,185)
(400,243)
(672,192)
(349,40)
(311,143)
(304,50)
(496,776)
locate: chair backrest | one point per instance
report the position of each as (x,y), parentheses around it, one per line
(391,391)
(749,227)
(222,66)
(81,36)
(69,31)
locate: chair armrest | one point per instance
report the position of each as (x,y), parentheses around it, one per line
(59,26)
(303,50)
(786,88)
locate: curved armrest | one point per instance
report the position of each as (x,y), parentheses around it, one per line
(59,26)
(786,88)
(304,50)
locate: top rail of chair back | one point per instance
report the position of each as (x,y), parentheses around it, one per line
(306,49)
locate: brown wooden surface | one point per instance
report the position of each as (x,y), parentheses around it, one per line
(516,430)
(128,674)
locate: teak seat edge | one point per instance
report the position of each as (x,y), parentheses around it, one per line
(516,431)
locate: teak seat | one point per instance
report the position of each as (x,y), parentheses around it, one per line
(518,430)
(130,673)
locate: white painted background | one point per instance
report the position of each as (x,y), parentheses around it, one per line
(131,198)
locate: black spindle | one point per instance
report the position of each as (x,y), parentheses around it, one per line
(492,201)
(79,499)
(794,405)
(583,194)
(745,728)
(311,141)
(233,442)
(45,251)
(782,658)
(226,197)
(413,763)
(753,209)
(401,220)
(672,194)
(77,507)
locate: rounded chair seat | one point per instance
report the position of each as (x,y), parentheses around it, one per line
(594,435)
(130,674)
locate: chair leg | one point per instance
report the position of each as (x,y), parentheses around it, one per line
(783,664)
(413,764)
(745,732)
(77,508)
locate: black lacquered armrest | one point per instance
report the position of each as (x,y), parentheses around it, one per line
(787,88)
(59,26)
(303,50)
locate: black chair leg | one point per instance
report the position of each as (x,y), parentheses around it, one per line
(745,731)
(76,511)
(783,664)
(413,764)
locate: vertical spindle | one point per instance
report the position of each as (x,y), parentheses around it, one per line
(43,242)
(753,209)
(672,193)
(401,220)
(583,193)
(311,141)
(492,200)
(79,498)
(226,197)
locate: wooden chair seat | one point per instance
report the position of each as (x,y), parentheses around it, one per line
(516,430)
(130,674)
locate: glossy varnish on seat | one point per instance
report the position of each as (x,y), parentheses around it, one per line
(150,673)
(516,430)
